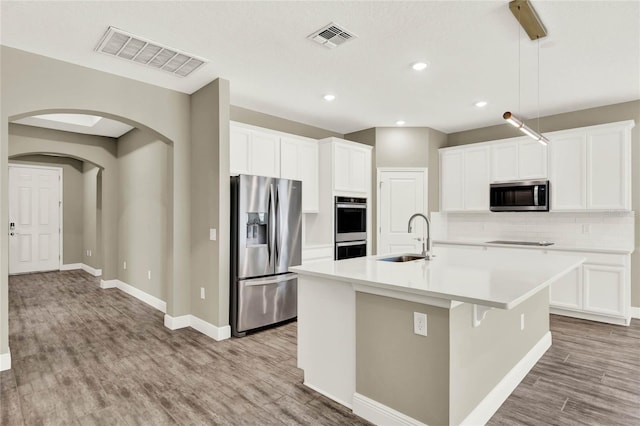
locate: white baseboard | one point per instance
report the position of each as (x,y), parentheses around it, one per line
(174,323)
(635,312)
(150,300)
(91,270)
(494,399)
(380,414)
(71,266)
(5,360)
(206,328)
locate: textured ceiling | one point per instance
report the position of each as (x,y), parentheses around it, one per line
(590,58)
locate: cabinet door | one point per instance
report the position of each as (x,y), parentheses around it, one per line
(532,160)
(264,154)
(567,173)
(604,289)
(476,179)
(289,162)
(308,172)
(452,181)
(567,291)
(341,164)
(504,161)
(607,174)
(239,145)
(359,170)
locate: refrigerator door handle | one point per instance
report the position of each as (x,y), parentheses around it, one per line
(277,221)
(272,223)
(269,280)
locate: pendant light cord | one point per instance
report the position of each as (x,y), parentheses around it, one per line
(519,66)
(538,41)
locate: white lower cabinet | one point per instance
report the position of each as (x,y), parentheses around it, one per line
(567,291)
(604,289)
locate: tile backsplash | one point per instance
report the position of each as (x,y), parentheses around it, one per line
(589,229)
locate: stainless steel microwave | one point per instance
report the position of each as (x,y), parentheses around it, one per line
(532,195)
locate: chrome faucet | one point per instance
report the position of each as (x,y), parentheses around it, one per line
(426,244)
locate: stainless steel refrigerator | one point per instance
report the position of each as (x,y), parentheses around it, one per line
(266,226)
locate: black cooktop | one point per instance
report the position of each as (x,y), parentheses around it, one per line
(523,243)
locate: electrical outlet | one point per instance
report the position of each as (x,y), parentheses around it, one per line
(149,274)
(521,321)
(420,323)
(212,234)
(201,292)
(124,265)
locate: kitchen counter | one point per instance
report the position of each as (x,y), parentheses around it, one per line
(497,280)
(598,248)
(483,323)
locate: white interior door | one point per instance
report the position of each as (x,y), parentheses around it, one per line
(401,193)
(34,219)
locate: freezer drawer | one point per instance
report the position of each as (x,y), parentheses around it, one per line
(267,300)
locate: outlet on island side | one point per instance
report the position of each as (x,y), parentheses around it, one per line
(521,321)
(201,292)
(420,323)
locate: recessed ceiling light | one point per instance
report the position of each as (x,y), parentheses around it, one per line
(419,66)
(329,97)
(400,123)
(481,104)
(85,120)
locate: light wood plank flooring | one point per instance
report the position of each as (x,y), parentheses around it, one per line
(82,355)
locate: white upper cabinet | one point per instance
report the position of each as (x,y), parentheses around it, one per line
(590,168)
(264,152)
(520,159)
(464,184)
(299,161)
(351,167)
(253,152)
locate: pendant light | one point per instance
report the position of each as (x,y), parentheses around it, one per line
(529,20)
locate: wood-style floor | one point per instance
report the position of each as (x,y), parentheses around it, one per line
(82,355)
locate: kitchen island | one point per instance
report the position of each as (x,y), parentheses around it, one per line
(487,324)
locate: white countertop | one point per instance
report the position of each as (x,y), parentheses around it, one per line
(481,277)
(558,247)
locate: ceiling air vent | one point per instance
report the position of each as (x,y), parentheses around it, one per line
(127,46)
(331,36)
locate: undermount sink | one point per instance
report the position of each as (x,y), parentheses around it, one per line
(403,258)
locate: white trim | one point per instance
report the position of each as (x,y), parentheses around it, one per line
(5,360)
(71,266)
(635,312)
(494,399)
(380,414)
(328,395)
(91,270)
(174,323)
(104,284)
(204,327)
(591,317)
(208,329)
(150,300)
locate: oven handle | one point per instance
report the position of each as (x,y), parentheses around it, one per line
(351,206)
(351,243)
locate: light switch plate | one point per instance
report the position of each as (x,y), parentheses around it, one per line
(212,234)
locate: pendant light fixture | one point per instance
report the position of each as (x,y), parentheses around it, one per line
(529,20)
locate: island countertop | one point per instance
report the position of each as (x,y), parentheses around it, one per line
(499,280)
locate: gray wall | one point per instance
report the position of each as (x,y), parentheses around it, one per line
(143,205)
(210,193)
(403,147)
(570,120)
(439,378)
(90,212)
(33,84)
(272,122)
(397,368)
(72,184)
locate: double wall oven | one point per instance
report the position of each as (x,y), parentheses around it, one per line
(350,227)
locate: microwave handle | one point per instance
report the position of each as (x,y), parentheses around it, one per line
(536,189)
